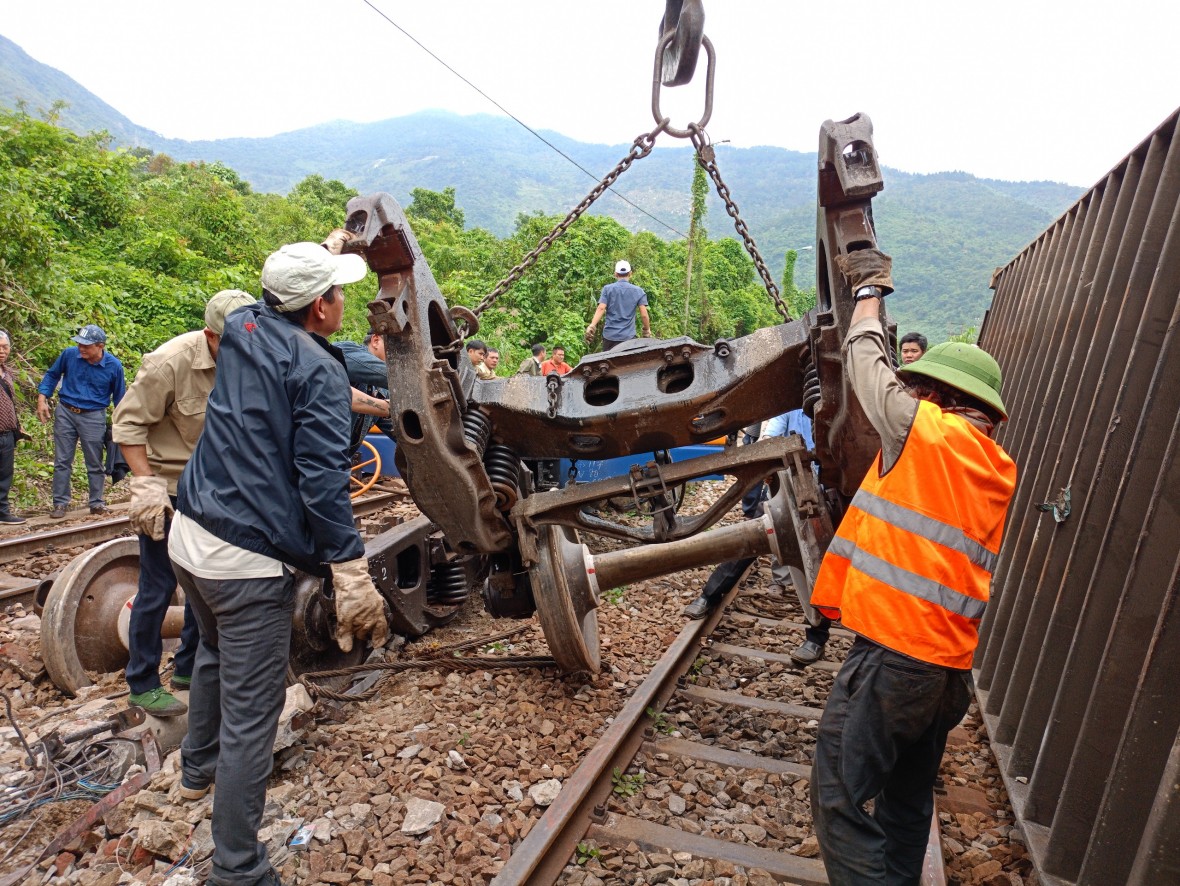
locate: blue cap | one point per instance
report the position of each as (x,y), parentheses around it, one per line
(91,335)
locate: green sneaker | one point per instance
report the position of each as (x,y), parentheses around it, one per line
(183,684)
(159,702)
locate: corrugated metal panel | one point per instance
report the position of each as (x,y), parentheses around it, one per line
(1079,650)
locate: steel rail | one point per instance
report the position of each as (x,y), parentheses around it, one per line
(542,855)
(580,810)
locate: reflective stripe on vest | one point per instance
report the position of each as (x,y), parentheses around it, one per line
(910,566)
(927,527)
(908,582)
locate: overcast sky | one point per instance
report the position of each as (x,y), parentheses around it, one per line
(1035,89)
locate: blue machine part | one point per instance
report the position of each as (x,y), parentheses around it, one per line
(587,470)
(385,448)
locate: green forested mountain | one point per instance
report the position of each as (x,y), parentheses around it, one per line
(947,232)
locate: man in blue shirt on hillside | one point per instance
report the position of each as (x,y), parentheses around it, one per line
(91,379)
(619,301)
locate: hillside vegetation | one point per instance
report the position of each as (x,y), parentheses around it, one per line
(947,232)
(137,242)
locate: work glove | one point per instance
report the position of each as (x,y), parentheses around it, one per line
(591,332)
(867,267)
(335,241)
(150,506)
(360,611)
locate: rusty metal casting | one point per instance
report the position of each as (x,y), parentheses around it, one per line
(1078,648)
(650,394)
(849,177)
(430,380)
(461,441)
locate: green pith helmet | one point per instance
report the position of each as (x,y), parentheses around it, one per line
(968,368)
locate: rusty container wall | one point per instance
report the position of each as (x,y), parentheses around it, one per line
(1078,650)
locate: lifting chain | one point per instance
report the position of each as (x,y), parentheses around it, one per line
(707,157)
(553,392)
(690,17)
(640,148)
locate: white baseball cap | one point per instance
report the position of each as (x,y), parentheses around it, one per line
(621,267)
(299,273)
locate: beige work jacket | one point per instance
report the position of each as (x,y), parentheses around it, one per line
(164,407)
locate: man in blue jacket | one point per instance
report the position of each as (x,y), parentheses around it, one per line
(265,493)
(91,379)
(369,377)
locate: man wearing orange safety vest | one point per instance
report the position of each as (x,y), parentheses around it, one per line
(908,573)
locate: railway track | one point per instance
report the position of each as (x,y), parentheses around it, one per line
(708,763)
(25,590)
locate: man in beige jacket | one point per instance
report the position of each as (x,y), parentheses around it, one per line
(157,425)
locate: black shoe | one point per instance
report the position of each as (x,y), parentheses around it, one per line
(12,519)
(102,510)
(808,653)
(699,607)
(270,878)
(58,513)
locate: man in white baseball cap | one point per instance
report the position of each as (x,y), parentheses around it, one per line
(299,273)
(619,302)
(266,493)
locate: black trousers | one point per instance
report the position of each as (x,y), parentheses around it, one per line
(7,458)
(157,583)
(881,738)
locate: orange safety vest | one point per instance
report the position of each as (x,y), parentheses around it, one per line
(911,564)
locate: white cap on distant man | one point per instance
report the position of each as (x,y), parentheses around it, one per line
(299,273)
(621,268)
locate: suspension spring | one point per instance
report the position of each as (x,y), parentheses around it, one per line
(477,428)
(503,469)
(447,585)
(811,388)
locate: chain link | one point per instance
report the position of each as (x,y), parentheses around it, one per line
(706,156)
(553,390)
(640,148)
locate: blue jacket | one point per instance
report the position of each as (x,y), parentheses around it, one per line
(366,373)
(83,385)
(270,472)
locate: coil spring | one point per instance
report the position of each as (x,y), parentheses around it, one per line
(811,388)
(447,586)
(503,469)
(477,428)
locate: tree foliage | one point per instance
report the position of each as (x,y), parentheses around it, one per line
(136,242)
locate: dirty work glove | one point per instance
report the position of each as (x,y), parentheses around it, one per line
(591,332)
(335,241)
(867,267)
(360,611)
(150,506)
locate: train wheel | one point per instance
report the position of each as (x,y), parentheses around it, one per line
(79,624)
(367,458)
(567,599)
